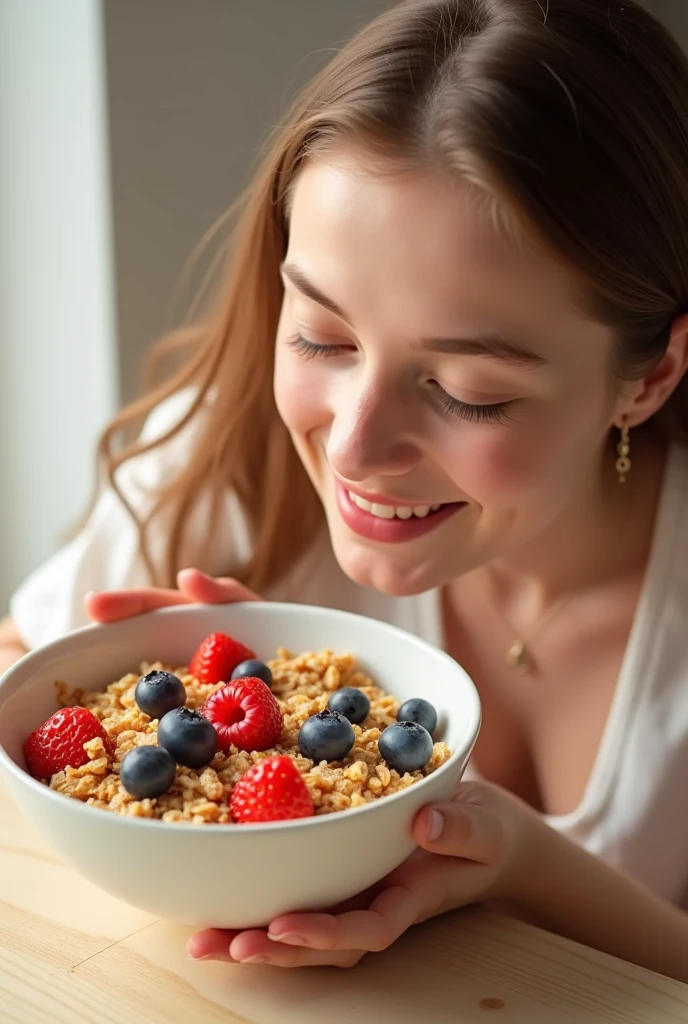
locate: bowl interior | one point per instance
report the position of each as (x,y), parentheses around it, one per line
(95,656)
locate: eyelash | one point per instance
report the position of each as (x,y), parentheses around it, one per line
(309,349)
(495,412)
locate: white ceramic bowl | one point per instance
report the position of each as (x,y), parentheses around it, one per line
(230,876)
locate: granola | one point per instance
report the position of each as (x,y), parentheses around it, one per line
(302,685)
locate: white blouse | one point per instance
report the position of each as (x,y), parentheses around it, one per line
(634,811)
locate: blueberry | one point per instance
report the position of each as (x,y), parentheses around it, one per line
(253,668)
(406,746)
(147,772)
(188,736)
(350,702)
(327,736)
(159,692)
(420,711)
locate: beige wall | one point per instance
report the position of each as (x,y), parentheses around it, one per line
(193,87)
(674,13)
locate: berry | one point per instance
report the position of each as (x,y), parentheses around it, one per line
(217,657)
(255,669)
(351,703)
(157,693)
(406,746)
(420,711)
(272,790)
(188,737)
(59,742)
(327,736)
(246,714)
(147,772)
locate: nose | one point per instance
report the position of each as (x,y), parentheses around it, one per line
(370,436)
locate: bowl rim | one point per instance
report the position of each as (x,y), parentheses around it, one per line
(43,654)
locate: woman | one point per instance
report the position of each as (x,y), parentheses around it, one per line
(455,333)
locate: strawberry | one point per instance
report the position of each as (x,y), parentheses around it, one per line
(272,790)
(246,714)
(217,657)
(59,742)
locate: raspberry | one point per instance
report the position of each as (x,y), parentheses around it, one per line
(59,742)
(246,714)
(217,657)
(272,790)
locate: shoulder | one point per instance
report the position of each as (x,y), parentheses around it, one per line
(171,442)
(106,553)
(169,413)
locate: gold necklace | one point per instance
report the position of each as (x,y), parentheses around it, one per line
(518,655)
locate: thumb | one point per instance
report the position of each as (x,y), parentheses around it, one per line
(204,589)
(461,830)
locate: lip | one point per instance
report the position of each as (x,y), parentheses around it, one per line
(380,499)
(390,531)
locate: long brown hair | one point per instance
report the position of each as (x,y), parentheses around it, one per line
(574,113)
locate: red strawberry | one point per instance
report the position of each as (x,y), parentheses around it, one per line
(246,714)
(217,657)
(271,790)
(59,742)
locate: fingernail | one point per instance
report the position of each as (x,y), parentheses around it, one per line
(435,826)
(258,959)
(289,938)
(208,956)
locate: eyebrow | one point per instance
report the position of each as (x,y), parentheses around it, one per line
(307,288)
(491,346)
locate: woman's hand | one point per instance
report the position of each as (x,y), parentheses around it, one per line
(194,588)
(473,849)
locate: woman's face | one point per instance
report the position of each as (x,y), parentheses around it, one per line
(446,395)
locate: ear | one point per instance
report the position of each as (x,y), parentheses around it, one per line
(646,396)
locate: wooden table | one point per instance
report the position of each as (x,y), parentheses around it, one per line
(70,954)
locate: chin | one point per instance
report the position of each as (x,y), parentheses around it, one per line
(369,568)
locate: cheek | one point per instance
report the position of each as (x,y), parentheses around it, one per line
(300,394)
(495,466)
(536,463)
(502,465)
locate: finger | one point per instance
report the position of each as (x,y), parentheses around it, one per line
(374,929)
(254,947)
(199,587)
(110,606)
(459,830)
(211,944)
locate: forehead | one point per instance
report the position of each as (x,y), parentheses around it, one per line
(423,239)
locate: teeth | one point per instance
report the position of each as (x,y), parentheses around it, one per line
(382,511)
(390,512)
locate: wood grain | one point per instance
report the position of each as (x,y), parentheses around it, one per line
(70,954)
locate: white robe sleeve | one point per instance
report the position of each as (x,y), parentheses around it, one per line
(105,555)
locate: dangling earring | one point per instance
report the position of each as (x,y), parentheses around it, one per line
(623,448)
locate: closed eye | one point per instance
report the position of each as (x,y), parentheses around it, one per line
(312,350)
(492,412)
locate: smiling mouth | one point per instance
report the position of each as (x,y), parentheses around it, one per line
(394,511)
(391,523)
